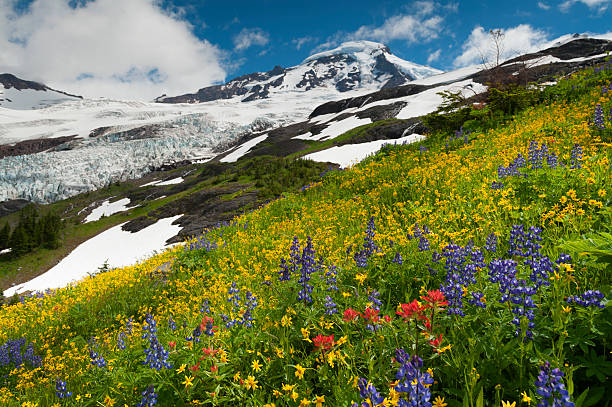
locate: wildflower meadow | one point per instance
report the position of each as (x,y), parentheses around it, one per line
(471,270)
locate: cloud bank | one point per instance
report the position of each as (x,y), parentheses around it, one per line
(115,48)
(516,40)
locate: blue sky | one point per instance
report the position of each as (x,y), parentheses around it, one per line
(139,49)
(290,31)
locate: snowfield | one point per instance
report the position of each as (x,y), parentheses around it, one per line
(350,154)
(108,209)
(243,149)
(114,246)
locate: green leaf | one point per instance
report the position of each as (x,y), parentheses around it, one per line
(480,398)
(581,398)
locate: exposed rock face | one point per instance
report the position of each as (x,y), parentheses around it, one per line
(32,146)
(353,65)
(11,81)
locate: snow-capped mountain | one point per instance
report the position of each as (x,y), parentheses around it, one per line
(356,65)
(16,93)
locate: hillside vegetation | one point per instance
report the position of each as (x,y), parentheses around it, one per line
(464,271)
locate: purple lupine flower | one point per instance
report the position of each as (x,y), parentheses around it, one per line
(477,299)
(369,394)
(330,278)
(598,118)
(308,266)
(60,389)
(535,155)
(149,397)
(412,381)
(288,268)
(589,298)
(331,307)
(369,247)
(423,244)
(491,243)
(156,354)
(373,297)
(576,157)
(521,298)
(497,185)
(550,386)
(397,259)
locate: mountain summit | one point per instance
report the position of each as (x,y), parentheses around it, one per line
(355,65)
(19,94)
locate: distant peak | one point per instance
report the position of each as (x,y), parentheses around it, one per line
(352,47)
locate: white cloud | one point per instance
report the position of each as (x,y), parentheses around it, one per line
(434,56)
(300,42)
(420,25)
(600,5)
(249,37)
(123,49)
(516,40)
(543,5)
(402,27)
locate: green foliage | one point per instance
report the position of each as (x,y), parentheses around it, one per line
(32,232)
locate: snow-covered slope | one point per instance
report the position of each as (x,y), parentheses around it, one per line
(356,65)
(16,93)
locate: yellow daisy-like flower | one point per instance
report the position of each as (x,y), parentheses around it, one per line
(601,192)
(188,382)
(276,393)
(256,366)
(305,334)
(305,402)
(299,371)
(319,400)
(286,321)
(439,402)
(288,387)
(361,277)
(181,369)
(269,405)
(526,398)
(108,401)
(237,377)
(250,383)
(508,404)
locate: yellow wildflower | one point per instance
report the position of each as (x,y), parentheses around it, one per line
(108,401)
(256,366)
(299,371)
(188,382)
(319,400)
(305,402)
(250,383)
(361,277)
(286,321)
(439,402)
(526,398)
(508,404)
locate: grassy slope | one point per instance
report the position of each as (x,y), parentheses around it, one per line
(14,271)
(447,190)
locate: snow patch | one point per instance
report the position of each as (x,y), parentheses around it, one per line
(114,246)
(243,149)
(27,99)
(108,209)
(5,251)
(335,129)
(172,181)
(428,101)
(350,154)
